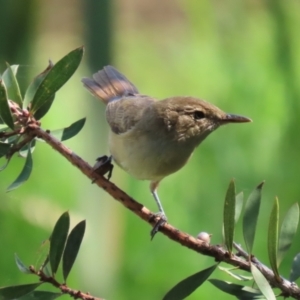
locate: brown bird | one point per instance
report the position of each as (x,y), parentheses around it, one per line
(152,139)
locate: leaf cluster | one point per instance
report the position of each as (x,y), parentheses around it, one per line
(18,114)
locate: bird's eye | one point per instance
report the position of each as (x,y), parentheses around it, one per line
(198,114)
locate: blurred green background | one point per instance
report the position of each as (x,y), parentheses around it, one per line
(242,56)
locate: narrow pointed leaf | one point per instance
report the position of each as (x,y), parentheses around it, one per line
(68,132)
(24,151)
(41,112)
(240,291)
(56,78)
(273,238)
(239,200)
(262,283)
(229,215)
(24,175)
(16,291)
(40,295)
(11,83)
(31,90)
(295,270)
(58,240)
(250,216)
(4,148)
(72,247)
(287,232)
(42,257)
(185,287)
(5,113)
(21,266)
(5,165)
(234,275)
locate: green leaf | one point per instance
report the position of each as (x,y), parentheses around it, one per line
(24,150)
(185,287)
(250,216)
(24,175)
(262,283)
(4,148)
(56,78)
(228,215)
(44,108)
(240,291)
(42,257)
(11,83)
(41,295)
(239,200)
(234,275)
(295,270)
(273,238)
(16,291)
(72,247)
(5,113)
(287,232)
(31,90)
(5,165)
(58,240)
(21,266)
(68,132)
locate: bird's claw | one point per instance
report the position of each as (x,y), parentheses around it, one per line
(162,220)
(103,165)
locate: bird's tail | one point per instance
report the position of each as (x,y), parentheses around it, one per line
(108,84)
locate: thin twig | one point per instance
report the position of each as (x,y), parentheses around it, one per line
(62,286)
(218,252)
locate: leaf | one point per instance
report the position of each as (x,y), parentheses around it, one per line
(295,270)
(24,175)
(287,231)
(250,216)
(41,295)
(72,247)
(5,165)
(262,283)
(4,148)
(21,266)
(240,291)
(58,240)
(42,257)
(5,113)
(236,276)
(11,83)
(68,132)
(16,291)
(31,90)
(273,238)
(228,215)
(185,287)
(44,108)
(239,200)
(24,150)
(56,78)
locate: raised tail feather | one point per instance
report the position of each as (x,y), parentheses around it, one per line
(108,84)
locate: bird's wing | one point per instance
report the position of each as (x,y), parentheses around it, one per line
(123,114)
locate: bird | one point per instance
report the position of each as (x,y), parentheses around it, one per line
(149,138)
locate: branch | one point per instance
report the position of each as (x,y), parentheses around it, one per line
(218,252)
(62,286)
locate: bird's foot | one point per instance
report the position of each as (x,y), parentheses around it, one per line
(162,220)
(103,166)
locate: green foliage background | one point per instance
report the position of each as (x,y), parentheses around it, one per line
(242,56)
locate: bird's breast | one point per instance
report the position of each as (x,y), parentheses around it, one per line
(147,156)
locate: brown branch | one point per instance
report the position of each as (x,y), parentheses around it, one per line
(62,286)
(218,252)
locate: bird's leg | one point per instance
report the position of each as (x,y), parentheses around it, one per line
(103,165)
(161,213)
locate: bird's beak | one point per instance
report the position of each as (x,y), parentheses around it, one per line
(229,118)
